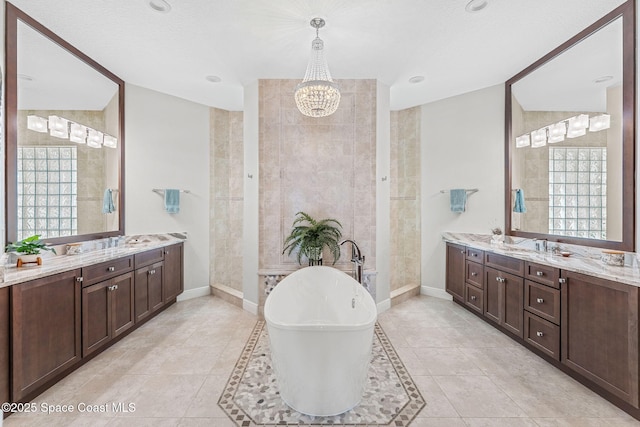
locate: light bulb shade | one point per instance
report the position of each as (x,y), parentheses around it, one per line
(317,95)
(578,126)
(523,141)
(58,127)
(37,123)
(557,132)
(110,141)
(94,138)
(78,133)
(600,122)
(539,138)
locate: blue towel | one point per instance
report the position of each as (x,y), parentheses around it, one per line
(519,204)
(172,200)
(458,200)
(107,202)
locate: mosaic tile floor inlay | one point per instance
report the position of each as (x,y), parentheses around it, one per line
(251,396)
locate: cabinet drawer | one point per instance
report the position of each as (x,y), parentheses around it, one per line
(475,255)
(542,300)
(542,334)
(542,274)
(504,263)
(148,257)
(473,298)
(474,275)
(106,270)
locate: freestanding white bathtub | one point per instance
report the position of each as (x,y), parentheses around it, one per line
(320,323)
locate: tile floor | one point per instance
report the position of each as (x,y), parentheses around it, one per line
(174,368)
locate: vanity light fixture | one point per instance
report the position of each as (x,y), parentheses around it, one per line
(37,123)
(78,133)
(539,138)
(600,122)
(578,126)
(58,127)
(109,141)
(94,138)
(523,141)
(557,132)
(317,95)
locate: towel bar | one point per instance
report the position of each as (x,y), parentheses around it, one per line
(469,191)
(161,191)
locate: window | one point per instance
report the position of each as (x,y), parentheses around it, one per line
(578,192)
(47,191)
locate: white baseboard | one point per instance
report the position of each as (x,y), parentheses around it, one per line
(249,306)
(384,305)
(194,293)
(435,292)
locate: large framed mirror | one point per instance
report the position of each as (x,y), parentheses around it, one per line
(64,138)
(570,139)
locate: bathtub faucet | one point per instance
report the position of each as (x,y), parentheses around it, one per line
(356,257)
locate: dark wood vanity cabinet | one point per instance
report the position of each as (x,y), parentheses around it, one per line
(600,333)
(107,311)
(173,272)
(455,280)
(5,357)
(148,290)
(45,331)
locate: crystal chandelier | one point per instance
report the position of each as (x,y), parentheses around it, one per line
(317,95)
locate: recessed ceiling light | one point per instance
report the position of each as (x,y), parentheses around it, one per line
(161,6)
(476,5)
(25,77)
(213,79)
(416,79)
(603,79)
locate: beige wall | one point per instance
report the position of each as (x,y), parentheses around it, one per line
(405,201)
(323,166)
(226,183)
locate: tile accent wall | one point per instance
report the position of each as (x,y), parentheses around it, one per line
(323,166)
(405,200)
(226,183)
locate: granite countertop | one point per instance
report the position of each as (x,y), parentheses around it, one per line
(583,259)
(54,264)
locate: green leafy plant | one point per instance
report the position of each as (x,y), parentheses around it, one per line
(310,236)
(29,246)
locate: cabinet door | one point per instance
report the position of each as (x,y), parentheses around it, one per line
(45,330)
(173,272)
(600,332)
(513,306)
(492,295)
(4,345)
(155,286)
(96,317)
(148,290)
(122,298)
(455,271)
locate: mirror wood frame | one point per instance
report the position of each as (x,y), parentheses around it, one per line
(13,15)
(627,12)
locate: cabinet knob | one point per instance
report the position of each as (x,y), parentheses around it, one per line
(540,333)
(562,280)
(500,279)
(474,254)
(461,252)
(539,273)
(473,297)
(111,269)
(539,300)
(473,273)
(166,252)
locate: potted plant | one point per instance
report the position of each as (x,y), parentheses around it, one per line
(28,250)
(310,236)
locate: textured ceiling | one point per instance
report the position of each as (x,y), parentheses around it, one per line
(244,40)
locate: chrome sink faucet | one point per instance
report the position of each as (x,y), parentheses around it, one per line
(356,257)
(540,245)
